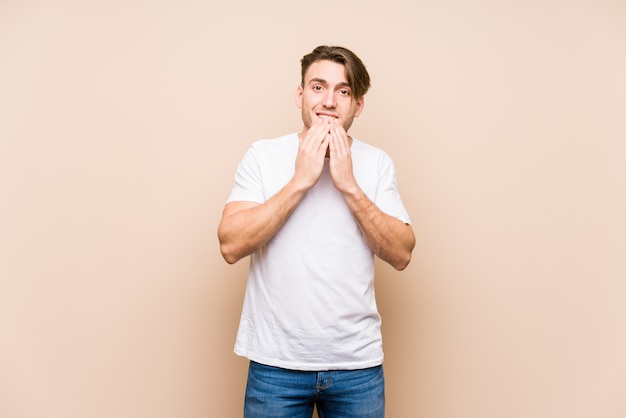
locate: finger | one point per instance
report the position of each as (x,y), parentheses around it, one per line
(317,131)
(317,143)
(340,142)
(321,138)
(341,132)
(313,138)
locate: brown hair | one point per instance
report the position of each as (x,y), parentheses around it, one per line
(356,72)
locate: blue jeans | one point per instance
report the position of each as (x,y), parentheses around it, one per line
(276,392)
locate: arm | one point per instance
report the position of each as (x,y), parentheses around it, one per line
(389,238)
(247,226)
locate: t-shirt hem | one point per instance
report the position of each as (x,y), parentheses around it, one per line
(310,366)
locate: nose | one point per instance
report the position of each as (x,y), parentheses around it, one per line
(329,99)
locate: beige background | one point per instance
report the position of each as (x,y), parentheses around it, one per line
(121,124)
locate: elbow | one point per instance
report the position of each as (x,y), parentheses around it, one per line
(229,259)
(228,249)
(398,261)
(229,252)
(402,263)
(403,257)
(229,256)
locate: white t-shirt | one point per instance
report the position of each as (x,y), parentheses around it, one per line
(309,302)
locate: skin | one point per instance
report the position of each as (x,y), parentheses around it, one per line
(328,110)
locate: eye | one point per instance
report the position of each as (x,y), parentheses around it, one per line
(344,92)
(317,88)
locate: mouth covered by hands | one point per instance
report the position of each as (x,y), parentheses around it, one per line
(325,138)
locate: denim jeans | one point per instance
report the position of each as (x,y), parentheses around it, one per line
(276,392)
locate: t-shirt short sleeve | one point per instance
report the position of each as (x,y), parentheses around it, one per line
(388,197)
(248,180)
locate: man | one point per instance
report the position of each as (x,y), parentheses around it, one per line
(312,209)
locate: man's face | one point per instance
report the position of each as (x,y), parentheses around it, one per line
(327,94)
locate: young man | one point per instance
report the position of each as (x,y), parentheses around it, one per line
(312,209)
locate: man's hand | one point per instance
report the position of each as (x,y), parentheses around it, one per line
(341,159)
(246,226)
(389,238)
(311,153)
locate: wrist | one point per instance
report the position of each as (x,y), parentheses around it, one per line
(298,186)
(353,193)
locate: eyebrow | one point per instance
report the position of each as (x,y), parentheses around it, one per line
(321,80)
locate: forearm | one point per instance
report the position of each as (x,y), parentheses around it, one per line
(246,226)
(389,238)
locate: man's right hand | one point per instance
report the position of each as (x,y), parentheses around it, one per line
(247,226)
(311,153)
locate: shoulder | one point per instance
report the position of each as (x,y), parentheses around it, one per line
(268,151)
(285,142)
(370,153)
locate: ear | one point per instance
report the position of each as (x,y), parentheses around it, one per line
(360,104)
(299,97)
